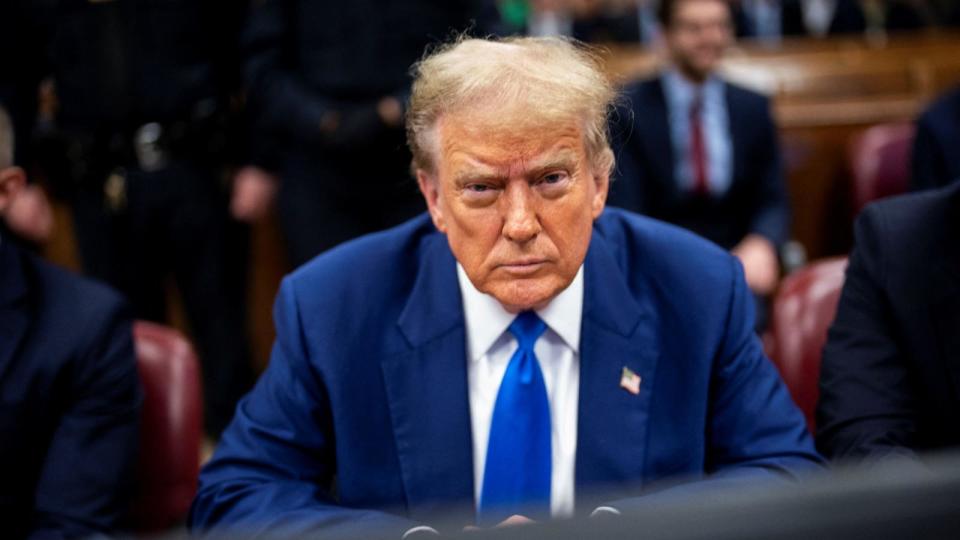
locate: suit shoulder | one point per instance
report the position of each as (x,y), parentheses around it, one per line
(911,223)
(747,97)
(942,110)
(638,101)
(947,103)
(367,267)
(667,253)
(69,293)
(82,317)
(642,90)
(644,85)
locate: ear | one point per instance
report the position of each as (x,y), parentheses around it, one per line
(430,188)
(12,180)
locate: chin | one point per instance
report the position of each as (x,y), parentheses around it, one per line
(520,296)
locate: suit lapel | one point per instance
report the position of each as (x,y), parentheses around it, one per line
(737,136)
(617,332)
(428,395)
(427,392)
(13,311)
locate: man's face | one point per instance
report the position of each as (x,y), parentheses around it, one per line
(699,34)
(517,204)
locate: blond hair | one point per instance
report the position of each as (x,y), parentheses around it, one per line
(550,79)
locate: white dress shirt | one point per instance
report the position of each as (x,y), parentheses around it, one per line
(489,348)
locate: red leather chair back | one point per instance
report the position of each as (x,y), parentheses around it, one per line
(880,162)
(803,311)
(171,427)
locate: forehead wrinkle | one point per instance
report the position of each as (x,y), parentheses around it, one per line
(491,148)
(562,156)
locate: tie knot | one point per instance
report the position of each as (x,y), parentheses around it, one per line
(527,328)
(696,105)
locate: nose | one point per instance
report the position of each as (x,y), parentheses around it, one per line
(520,220)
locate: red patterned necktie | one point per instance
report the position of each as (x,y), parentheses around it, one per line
(698,150)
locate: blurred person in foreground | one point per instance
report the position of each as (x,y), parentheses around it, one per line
(936,161)
(327,85)
(69,391)
(890,379)
(702,153)
(514,352)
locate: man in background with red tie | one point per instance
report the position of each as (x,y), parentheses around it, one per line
(699,152)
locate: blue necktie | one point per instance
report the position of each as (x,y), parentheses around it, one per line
(516,478)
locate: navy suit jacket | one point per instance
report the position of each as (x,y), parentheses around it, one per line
(368,384)
(69,401)
(756,201)
(890,379)
(936,161)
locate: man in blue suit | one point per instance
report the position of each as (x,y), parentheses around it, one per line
(69,391)
(699,152)
(512,354)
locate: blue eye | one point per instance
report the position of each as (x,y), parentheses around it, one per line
(478,188)
(553,178)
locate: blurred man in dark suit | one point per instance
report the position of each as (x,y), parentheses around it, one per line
(144,92)
(327,83)
(23,60)
(936,161)
(890,379)
(69,391)
(702,153)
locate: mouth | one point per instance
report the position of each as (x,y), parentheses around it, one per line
(523,267)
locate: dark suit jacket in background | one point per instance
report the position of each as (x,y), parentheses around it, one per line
(69,401)
(756,201)
(307,59)
(847,19)
(936,150)
(368,384)
(890,380)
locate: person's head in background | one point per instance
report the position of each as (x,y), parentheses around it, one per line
(24,209)
(696,33)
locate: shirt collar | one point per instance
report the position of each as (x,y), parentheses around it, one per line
(680,90)
(487,320)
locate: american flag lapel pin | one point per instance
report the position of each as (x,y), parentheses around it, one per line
(630,381)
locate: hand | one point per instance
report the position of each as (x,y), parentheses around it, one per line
(760,265)
(390,111)
(253,193)
(511,521)
(30,215)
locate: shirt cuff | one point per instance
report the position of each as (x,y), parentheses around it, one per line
(420,531)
